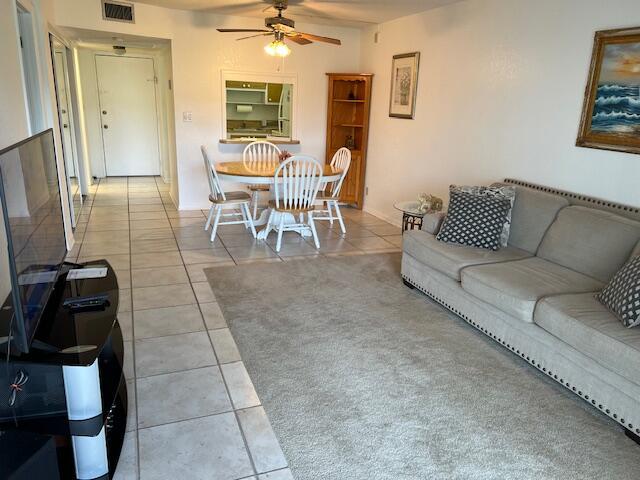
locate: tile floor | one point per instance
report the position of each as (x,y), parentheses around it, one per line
(192,407)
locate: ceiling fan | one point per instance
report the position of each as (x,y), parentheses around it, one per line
(281,28)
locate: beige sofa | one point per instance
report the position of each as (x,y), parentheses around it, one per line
(537,296)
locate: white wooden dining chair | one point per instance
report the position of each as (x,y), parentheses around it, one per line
(331,194)
(259,156)
(296,184)
(221,200)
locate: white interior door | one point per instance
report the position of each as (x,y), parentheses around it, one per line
(126,87)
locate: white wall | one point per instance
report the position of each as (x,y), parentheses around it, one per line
(199,53)
(13,118)
(500,94)
(14,124)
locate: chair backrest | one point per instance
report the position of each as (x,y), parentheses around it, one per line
(260,155)
(215,189)
(341,160)
(296,182)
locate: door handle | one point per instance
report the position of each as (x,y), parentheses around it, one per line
(104,112)
(65,125)
(106,126)
(63,111)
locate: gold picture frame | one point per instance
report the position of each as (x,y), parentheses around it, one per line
(404,85)
(611,110)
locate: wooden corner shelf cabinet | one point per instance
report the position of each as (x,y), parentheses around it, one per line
(348,109)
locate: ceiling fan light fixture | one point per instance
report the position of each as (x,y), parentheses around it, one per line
(277,48)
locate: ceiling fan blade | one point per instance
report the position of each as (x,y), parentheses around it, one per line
(254,36)
(239,30)
(318,38)
(294,37)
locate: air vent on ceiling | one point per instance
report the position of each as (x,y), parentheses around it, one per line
(117,11)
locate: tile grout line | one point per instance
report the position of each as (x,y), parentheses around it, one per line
(95,195)
(199,417)
(185,332)
(182,370)
(264,473)
(133,339)
(224,381)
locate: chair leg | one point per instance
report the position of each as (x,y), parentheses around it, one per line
(244,216)
(215,222)
(209,218)
(339,216)
(254,199)
(248,219)
(329,212)
(280,229)
(312,224)
(268,227)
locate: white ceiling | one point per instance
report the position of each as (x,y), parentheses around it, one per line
(355,13)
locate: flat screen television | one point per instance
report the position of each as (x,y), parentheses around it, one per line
(34,226)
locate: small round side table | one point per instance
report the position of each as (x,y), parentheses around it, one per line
(411,216)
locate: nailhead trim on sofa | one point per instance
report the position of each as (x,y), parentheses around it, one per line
(524,356)
(575,198)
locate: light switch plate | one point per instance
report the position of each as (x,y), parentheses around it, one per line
(187,116)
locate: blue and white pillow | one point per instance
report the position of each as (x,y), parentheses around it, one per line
(622,294)
(478,216)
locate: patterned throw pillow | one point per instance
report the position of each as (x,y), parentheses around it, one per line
(622,294)
(478,216)
(508,192)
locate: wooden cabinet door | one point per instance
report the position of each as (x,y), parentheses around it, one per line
(349,192)
(274,90)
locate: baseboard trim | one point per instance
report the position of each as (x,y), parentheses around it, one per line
(395,220)
(630,429)
(632,435)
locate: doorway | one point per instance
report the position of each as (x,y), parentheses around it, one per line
(129,116)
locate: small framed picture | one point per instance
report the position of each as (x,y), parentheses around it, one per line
(611,111)
(404,85)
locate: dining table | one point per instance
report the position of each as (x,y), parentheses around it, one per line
(263,173)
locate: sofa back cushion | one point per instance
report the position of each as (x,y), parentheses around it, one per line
(533,211)
(593,242)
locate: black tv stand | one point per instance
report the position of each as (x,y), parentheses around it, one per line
(76,390)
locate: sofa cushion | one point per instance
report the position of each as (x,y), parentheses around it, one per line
(533,212)
(585,324)
(451,259)
(590,241)
(515,287)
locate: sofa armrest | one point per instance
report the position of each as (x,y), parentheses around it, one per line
(432,222)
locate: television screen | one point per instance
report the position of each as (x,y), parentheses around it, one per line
(34,228)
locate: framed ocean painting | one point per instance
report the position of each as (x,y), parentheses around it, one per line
(611,111)
(404,85)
